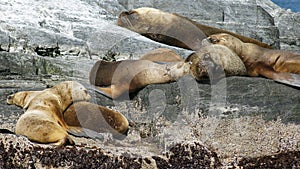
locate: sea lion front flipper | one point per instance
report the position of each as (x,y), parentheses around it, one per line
(84,132)
(113,91)
(288,78)
(105,91)
(281,77)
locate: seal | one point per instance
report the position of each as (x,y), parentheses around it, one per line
(86,115)
(215,61)
(131,75)
(279,65)
(162,55)
(43,119)
(172,29)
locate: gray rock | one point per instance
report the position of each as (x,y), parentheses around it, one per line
(287,23)
(45,42)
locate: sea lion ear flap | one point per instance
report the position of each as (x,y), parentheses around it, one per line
(190,57)
(26,105)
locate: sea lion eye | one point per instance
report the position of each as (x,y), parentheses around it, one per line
(213,40)
(131,12)
(10,97)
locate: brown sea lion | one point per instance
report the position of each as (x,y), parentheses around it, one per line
(102,72)
(214,61)
(282,66)
(162,55)
(130,75)
(43,119)
(172,29)
(96,118)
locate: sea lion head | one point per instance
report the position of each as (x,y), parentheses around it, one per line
(139,19)
(227,40)
(203,67)
(71,91)
(22,99)
(17,98)
(164,27)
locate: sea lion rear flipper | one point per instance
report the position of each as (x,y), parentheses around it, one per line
(84,132)
(281,77)
(160,62)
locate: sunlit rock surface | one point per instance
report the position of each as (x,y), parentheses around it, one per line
(237,121)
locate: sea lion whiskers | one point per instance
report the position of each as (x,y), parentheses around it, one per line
(127,21)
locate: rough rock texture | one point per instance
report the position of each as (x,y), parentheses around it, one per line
(237,121)
(288,25)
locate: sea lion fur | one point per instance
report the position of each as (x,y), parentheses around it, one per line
(43,119)
(172,29)
(279,65)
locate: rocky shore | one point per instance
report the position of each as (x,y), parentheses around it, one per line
(237,122)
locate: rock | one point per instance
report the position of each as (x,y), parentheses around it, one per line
(86,28)
(234,122)
(287,23)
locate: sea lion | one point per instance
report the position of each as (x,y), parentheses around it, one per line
(279,65)
(96,118)
(102,72)
(214,61)
(162,55)
(43,119)
(172,29)
(131,75)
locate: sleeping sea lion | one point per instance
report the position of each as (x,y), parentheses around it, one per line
(130,75)
(172,29)
(43,119)
(101,75)
(281,66)
(96,118)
